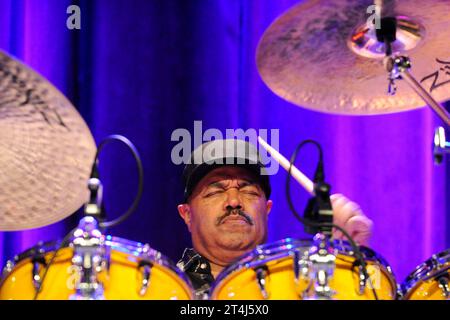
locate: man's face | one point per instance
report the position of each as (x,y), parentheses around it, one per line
(227,211)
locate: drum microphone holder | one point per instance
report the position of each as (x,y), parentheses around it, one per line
(88,243)
(88,260)
(89,249)
(320,260)
(319,211)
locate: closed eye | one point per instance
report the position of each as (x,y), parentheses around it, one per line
(213,193)
(253,193)
(250,189)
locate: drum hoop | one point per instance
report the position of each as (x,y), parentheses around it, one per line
(424,271)
(129,247)
(39,248)
(145,252)
(286,247)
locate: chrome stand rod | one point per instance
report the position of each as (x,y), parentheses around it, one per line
(417,87)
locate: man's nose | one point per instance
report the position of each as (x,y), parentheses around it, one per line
(233,199)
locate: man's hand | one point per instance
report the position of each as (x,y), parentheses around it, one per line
(348,215)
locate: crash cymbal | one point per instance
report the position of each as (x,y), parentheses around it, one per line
(323,55)
(46,150)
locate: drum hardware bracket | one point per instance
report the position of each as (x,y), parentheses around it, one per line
(261,278)
(36,278)
(362,280)
(146,275)
(8,267)
(300,265)
(443,284)
(106,263)
(301,270)
(441,277)
(321,264)
(88,257)
(395,66)
(361,276)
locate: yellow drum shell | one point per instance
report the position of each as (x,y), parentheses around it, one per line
(123,280)
(422,283)
(280,283)
(427,290)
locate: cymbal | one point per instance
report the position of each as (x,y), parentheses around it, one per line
(323,55)
(46,150)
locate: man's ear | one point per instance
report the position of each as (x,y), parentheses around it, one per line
(185,212)
(269,204)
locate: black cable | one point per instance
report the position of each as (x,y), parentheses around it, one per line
(107,224)
(310,223)
(94,173)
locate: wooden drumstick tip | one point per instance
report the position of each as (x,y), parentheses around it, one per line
(304,181)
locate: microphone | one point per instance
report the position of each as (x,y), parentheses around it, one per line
(94,206)
(319,209)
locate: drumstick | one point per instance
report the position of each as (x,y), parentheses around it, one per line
(304,181)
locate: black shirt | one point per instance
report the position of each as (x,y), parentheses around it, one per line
(198,269)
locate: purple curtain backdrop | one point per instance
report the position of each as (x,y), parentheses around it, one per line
(146,68)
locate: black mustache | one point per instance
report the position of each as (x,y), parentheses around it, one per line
(238,212)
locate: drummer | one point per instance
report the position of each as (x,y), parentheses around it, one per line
(226,206)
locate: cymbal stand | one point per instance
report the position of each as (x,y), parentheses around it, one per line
(398,67)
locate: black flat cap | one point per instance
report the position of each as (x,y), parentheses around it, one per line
(219,153)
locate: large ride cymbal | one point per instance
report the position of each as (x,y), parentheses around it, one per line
(323,55)
(46,150)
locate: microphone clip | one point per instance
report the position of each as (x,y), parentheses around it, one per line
(319,210)
(94,206)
